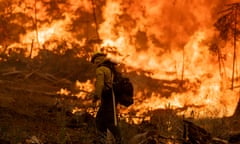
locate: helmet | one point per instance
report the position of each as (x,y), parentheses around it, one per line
(97,54)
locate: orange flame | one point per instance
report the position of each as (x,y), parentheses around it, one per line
(151,18)
(169,39)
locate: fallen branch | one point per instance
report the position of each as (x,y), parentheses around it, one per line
(12,73)
(220,141)
(47,76)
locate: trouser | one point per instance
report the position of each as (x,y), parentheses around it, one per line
(104,122)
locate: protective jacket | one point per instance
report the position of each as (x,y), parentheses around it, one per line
(103,81)
(103,90)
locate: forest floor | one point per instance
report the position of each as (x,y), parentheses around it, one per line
(31,111)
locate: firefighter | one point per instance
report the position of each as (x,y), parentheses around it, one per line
(106,115)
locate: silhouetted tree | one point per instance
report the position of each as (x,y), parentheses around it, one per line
(229,28)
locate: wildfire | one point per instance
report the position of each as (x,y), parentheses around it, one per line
(188,52)
(168,39)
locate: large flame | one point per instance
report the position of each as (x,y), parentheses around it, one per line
(165,38)
(169,39)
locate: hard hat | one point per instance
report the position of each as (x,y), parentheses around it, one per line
(97,54)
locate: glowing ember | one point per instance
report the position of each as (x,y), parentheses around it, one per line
(63,91)
(85,89)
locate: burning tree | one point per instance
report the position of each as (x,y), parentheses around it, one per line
(10,29)
(228,26)
(229,31)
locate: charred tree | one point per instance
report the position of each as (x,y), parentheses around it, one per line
(35,20)
(237,111)
(229,30)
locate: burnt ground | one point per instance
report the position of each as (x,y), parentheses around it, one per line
(29,108)
(32,112)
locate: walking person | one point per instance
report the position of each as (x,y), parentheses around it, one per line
(106,118)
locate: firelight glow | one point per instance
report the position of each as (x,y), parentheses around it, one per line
(160,40)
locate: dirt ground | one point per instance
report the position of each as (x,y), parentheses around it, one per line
(30,110)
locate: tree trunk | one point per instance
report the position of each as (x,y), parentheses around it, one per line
(237,111)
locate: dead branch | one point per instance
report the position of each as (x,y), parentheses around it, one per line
(47,76)
(12,73)
(221,141)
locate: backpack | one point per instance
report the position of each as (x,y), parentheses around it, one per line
(122,86)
